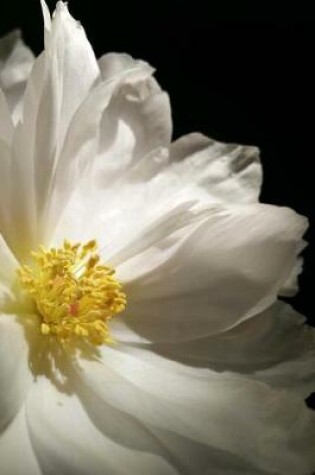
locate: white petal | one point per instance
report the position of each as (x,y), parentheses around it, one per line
(47,20)
(291,286)
(16,451)
(21,198)
(71,64)
(228,172)
(80,145)
(224,269)
(113,64)
(180,451)
(16,62)
(6,124)
(67,442)
(137,122)
(116,223)
(59,83)
(5,187)
(296,375)
(146,188)
(8,265)
(77,157)
(272,431)
(130,130)
(275,346)
(15,374)
(204,169)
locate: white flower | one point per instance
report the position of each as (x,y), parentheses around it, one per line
(207,371)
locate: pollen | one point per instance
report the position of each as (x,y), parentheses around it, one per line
(75,294)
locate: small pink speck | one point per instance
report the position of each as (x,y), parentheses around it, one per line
(73,308)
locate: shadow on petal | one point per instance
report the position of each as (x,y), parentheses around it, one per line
(184,454)
(47,355)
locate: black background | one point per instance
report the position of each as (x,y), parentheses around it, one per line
(234,73)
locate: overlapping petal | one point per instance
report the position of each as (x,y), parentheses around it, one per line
(226,268)
(66,441)
(272,430)
(137,122)
(275,346)
(129,193)
(16,451)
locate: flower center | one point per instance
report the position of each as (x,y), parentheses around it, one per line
(75,295)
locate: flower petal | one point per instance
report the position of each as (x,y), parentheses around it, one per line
(126,230)
(130,192)
(225,268)
(16,451)
(15,375)
(6,124)
(113,64)
(8,264)
(204,169)
(181,452)
(16,62)
(61,79)
(291,286)
(76,166)
(71,68)
(137,122)
(5,187)
(229,173)
(67,442)
(269,347)
(47,20)
(269,430)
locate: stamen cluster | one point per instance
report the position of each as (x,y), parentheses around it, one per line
(75,295)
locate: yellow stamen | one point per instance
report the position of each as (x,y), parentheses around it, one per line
(74,294)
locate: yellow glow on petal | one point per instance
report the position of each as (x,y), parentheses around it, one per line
(74,293)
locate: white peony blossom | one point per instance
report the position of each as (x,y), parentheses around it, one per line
(140,331)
